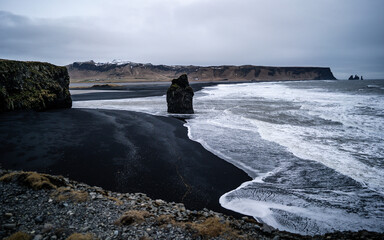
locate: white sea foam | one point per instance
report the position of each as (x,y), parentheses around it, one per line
(329,155)
(150,105)
(303,220)
(313,142)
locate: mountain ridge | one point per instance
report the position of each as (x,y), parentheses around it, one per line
(121,71)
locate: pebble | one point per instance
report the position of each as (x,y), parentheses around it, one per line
(39,219)
(48,227)
(8,215)
(84,229)
(38,237)
(159,202)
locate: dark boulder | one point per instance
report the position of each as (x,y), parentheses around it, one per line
(180,95)
(33,85)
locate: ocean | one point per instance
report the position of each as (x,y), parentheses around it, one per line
(314,149)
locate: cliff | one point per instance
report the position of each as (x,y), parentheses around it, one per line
(33,85)
(128,71)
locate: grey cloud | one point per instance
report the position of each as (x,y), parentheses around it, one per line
(344,35)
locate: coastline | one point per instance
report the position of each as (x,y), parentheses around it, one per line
(103,122)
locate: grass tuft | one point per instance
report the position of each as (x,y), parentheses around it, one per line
(132,216)
(34,180)
(65,193)
(81,236)
(213,227)
(209,228)
(19,236)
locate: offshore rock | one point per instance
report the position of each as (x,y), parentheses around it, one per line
(354,77)
(33,85)
(180,95)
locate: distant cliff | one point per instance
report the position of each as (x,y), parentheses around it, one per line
(33,85)
(128,71)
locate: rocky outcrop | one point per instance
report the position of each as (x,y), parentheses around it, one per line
(33,85)
(354,77)
(58,213)
(180,95)
(129,71)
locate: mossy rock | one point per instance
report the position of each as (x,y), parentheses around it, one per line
(33,85)
(179,96)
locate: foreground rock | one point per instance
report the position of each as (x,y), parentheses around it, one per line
(180,96)
(40,206)
(33,85)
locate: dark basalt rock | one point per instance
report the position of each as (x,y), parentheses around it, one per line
(180,95)
(33,85)
(354,77)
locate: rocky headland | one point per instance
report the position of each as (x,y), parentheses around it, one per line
(137,72)
(33,85)
(41,206)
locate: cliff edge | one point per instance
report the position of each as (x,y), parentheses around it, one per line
(33,85)
(128,71)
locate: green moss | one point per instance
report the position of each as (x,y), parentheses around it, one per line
(33,85)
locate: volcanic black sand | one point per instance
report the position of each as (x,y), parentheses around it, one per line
(131,90)
(119,151)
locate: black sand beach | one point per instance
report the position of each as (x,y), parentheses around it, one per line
(131,90)
(119,151)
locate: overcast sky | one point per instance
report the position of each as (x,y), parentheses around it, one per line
(346,35)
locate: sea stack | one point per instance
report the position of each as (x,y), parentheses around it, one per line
(33,85)
(179,96)
(354,77)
